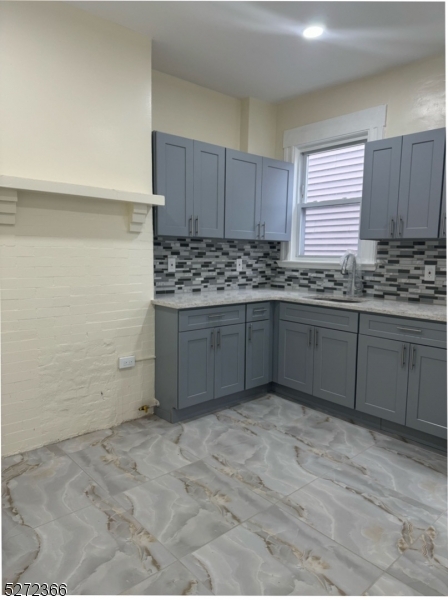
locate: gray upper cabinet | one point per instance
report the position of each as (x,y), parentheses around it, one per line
(209,175)
(295,356)
(191,176)
(213,192)
(380,189)
(276,200)
(173,178)
(258,353)
(243,195)
(196,367)
(442,230)
(229,359)
(426,408)
(402,188)
(382,378)
(421,179)
(335,366)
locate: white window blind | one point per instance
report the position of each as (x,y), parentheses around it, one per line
(331,200)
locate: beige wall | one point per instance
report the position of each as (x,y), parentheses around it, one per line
(76,97)
(258,127)
(75,284)
(414,94)
(189,110)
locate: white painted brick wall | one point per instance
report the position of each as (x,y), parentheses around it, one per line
(75,296)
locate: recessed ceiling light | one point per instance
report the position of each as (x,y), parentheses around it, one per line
(313,32)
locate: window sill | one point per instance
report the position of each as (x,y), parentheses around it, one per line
(319,265)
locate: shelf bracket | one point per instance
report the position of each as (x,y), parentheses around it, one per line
(8,206)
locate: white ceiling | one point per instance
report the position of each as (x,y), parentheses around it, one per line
(256,48)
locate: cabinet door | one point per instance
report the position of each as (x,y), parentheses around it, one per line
(258,354)
(382,378)
(276,200)
(295,356)
(421,178)
(173,178)
(196,366)
(380,189)
(209,171)
(442,229)
(335,366)
(426,409)
(243,195)
(229,359)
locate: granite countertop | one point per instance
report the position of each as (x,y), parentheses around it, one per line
(410,310)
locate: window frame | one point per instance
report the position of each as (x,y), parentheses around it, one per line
(362,126)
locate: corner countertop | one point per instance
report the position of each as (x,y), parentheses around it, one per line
(410,310)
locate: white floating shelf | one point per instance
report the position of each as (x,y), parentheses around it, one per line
(73,189)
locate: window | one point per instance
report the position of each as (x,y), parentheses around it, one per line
(329,159)
(330,200)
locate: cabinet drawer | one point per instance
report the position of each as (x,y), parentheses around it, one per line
(258,311)
(343,320)
(199,318)
(411,330)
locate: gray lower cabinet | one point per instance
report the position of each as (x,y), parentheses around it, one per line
(295,356)
(258,353)
(211,364)
(335,366)
(196,367)
(427,390)
(317,360)
(229,359)
(382,378)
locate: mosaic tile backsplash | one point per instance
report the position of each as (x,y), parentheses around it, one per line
(204,264)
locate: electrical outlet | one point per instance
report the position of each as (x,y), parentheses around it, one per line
(239,264)
(430,273)
(126,362)
(171,264)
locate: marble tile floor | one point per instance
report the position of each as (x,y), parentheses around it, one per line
(266,498)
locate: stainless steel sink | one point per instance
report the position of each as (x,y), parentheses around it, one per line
(337,299)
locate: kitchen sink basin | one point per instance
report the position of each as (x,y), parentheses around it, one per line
(337,299)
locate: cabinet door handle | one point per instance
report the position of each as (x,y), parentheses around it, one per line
(212,339)
(216,316)
(400,228)
(190,226)
(258,228)
(444,225)
(310,337)
(264,230)
(414,355)
(250,333)
(392,228)
(403,355)
(316,334)
(218,339)
(411,329)
(196,225)
(259,310)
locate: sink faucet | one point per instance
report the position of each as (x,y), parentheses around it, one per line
(350,267)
